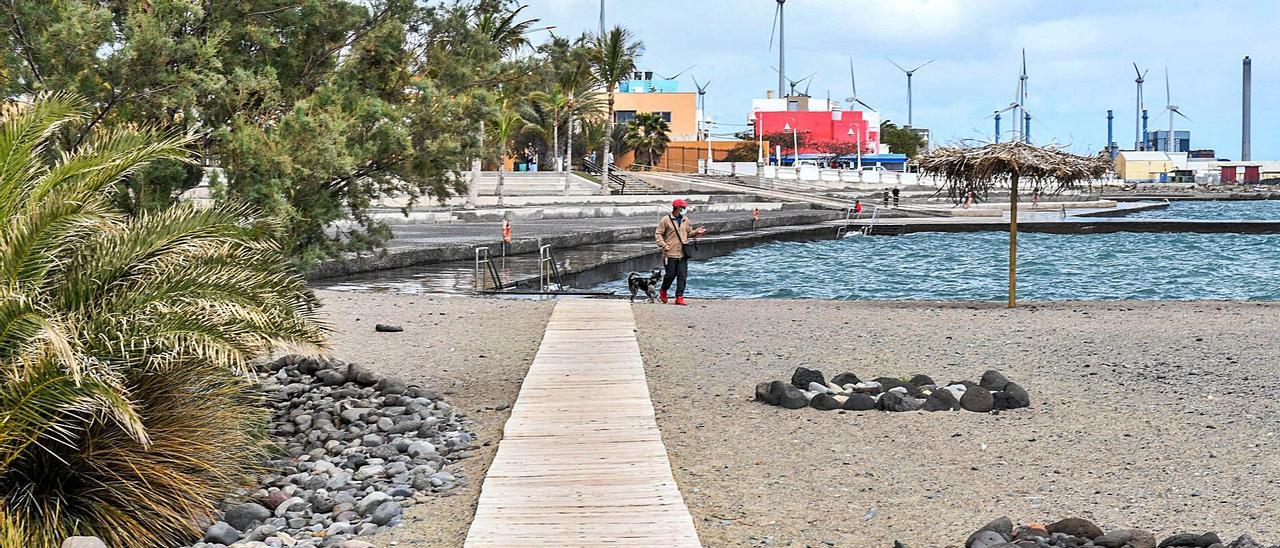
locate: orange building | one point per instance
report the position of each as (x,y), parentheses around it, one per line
(679,109)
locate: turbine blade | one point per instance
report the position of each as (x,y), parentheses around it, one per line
(922,66)
(897,65)
(869,107)
(853,81)
(695,83)
(1179,113)
(773,29)
(1167,99)
(681,72)
(1136,71)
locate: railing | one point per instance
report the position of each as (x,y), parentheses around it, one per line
(485,270)
(548,270)
(871,226)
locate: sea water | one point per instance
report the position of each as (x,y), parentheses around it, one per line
(974,267)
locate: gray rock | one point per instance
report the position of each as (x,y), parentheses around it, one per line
(288,504)
(985,539)
(993,380)
(845,378)
(355,413)
(392,384)
(824,402)
(1245,541)
(356,544)
(1018,397)
(331,377)
(788,396)
(1002,525)
(369,503)
(362,376)
(803,376)
(898,402)
(385,512)
(922,380)
(385,424)
(369,471)
(1076,527)
(243,516)
(1191,540)
(387,328)
(83,542)
(978,400)
(221,533)
(859,402)
(941,400)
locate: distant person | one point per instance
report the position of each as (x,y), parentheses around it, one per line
(857,207)
(896,192)
(1035,198)
(886,197)
(673,232)
(609,158)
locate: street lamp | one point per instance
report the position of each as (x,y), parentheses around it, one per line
(857,143)
(795,143)
(531,31)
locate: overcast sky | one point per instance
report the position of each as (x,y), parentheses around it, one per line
(1079,59)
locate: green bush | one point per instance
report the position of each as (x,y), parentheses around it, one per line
(126,408)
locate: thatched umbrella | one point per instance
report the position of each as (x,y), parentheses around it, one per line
(979,169)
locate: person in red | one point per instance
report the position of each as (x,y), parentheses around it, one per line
(673,232)
(857,207)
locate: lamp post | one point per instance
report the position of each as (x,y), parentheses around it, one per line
(857,138)
(795,144)
(760,142)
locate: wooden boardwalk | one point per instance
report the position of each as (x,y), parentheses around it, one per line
(581,461)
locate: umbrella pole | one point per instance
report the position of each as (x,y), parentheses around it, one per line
(1013,241)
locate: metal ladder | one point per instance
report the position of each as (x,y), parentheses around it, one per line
(843,230)
(485,271)
(870,228)
(548,270)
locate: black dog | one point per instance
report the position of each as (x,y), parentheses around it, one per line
(637,282)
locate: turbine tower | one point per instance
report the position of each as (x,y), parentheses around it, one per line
(1138,137)
(702,105)
(909,74)
(780,28)
(853,81)
(1171,109)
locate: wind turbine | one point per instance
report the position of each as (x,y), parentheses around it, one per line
(1021,116)
(676,75)
(782,48)
(909,74)
(854,84)
(794,83)
(1172,109)
(702,103)
(1137,113)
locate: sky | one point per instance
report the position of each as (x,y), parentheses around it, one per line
(1080,57)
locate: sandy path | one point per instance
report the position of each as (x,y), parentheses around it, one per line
(1154,415)
(475,352)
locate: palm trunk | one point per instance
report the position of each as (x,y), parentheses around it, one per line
(1013,241)
(568,154)
(555,139)
(608,137)
(501,180)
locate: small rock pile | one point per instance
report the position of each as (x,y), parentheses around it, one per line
(1082,533)
(358,447)
(808,388)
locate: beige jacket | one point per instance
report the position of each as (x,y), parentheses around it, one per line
(669,240)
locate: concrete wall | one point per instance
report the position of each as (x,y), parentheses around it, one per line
(683,107)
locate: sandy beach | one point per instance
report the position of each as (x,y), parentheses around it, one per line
(1153,415)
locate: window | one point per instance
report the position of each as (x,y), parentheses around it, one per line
(623,116)
(666,116)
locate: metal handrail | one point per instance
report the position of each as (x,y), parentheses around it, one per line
(484,266)
(870,227)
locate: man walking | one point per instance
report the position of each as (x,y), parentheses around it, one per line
(673,232)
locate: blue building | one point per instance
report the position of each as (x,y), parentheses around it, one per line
(1159,140)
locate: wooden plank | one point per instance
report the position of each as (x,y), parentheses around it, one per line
(582,462)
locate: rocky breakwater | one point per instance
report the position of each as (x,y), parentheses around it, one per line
(809,388)
(356,449)
(1082,533)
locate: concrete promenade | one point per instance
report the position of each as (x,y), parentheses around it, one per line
(581,461)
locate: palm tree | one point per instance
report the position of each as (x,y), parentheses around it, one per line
(648,132)
(502,28)
(553,102)
(613,60)
(125,342)
(507,124)
(584,102)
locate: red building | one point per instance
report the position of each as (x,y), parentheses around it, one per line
(816,127)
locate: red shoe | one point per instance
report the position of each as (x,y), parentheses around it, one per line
(680,301)
(662,296)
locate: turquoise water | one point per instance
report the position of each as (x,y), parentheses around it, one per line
(974,267)
(1236,210)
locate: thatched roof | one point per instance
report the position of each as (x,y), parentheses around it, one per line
(978,169)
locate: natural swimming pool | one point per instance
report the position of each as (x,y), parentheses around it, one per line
(974,266)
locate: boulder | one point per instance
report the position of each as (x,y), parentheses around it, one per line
(824,402)
(362,376)
(1002,525)
(221,533)
(331,377)
(977,400)
(763,394)
(1018,396)
(1191,540)
(898,402)
(993,380)
(386,512)
(845,378)
(243,516)
(1076,527)
(1031,532)
(984,539)
(819,388)
(1245,541)
(859,402)
(889,383)
(387,328)
(788,396)
(1001,400)
(1134,538)
(371,502)
(392,384)
(941,400)
(803,376)
(922,380)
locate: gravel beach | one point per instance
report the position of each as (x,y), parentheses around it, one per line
(474,352)
(1160,416)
